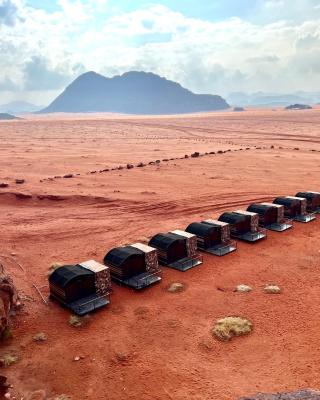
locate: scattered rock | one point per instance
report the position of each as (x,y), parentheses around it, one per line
(272,289)
(227,328)
(140,165)
(243,289)
(77,358)
(20,181)
(195,154)
(4,185)
(130,166)
(176,287)
(68,176)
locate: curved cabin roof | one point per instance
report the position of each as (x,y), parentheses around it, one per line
(119,255)
(201,228)
(64,275)
(308,195)
(286,201)
(164,240)
(232,217)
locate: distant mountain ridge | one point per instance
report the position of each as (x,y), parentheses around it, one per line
(272,99)
(18,107)
(132,93)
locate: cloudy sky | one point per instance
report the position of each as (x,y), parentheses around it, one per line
(216,46)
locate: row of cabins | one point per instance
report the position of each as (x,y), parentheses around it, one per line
(85,287)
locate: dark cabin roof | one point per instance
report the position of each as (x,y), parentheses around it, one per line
(286,201)
(308,195)
(119,255)
(201,228)
(64,275)
(232,217)
(164,240)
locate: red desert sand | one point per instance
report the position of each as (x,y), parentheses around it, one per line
(156,344)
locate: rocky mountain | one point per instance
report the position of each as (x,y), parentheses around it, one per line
(132,93)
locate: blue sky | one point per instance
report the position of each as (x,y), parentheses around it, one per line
(208,46)
(204,9)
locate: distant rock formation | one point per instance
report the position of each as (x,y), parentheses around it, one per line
(299,395)
(18,107)
(238,109)
(132,93)
(299,107)
(7,117)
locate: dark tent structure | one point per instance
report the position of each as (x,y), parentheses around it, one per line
(295,208)
(135,265)
(313,201)
(271,216)
(213,237)
(177,249)
(244,225)
(81,287)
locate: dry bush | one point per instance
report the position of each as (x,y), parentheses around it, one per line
(40,337)
(54,266)
(272,289)
(8,359)
(77,321)
(243,289)
(176,287)
(226,328)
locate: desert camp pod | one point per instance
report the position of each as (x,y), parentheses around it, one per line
(177,249)
(82,287)
(135,265)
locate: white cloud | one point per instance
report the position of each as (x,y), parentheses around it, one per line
(41,51)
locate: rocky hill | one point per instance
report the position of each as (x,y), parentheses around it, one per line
(132,93)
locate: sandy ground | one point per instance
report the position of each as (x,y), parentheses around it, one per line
(155,344)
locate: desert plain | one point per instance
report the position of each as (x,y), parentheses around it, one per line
(157,345)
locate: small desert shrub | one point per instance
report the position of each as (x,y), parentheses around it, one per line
(77,321)
(226,328)
(40,337)
(53,267)
(176,287)
(8,359)
(243,288)
(272,289)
